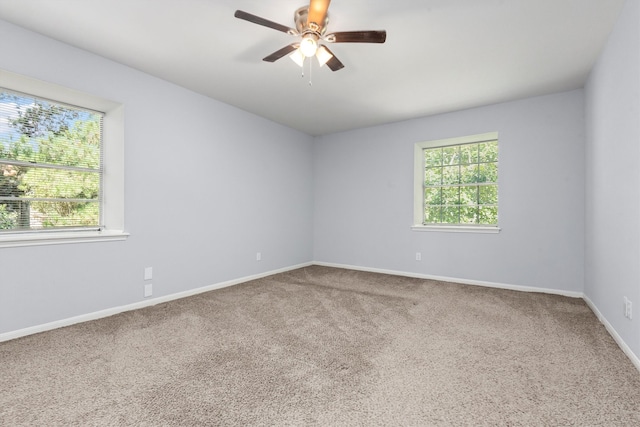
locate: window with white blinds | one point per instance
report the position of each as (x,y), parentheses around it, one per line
(50,165)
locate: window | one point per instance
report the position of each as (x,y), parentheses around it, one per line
(456,184)
(61,165)
(50,164)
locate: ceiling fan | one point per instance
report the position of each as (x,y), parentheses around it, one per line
(311,25)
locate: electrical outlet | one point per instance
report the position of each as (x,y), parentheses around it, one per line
(148,273)
(258,256)
(628,308)
(148,290)
(625,307)
(418,256)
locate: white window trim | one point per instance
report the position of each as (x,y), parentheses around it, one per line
(113,158)
(418,183)
(57,238)
(456,228)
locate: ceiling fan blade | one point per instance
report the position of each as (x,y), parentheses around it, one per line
(318,12)
(264,22)
(357,37)
(333,63)
(282,52)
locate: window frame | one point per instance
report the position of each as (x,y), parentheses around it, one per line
(112,207)
(418,197)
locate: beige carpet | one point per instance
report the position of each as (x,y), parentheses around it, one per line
(330,347)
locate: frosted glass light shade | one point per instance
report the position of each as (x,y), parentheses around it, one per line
(323,55)
(297,57)
(308,45)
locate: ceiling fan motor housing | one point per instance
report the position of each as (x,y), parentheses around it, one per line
(300,18)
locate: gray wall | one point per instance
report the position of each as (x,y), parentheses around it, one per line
(207,186)
(364,197)
(613,177)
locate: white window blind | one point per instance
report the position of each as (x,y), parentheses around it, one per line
(50,165)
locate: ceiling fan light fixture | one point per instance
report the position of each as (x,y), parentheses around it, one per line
(323,55)
(309,45)
(297,57)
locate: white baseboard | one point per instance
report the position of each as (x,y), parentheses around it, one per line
(137,305)
(614,334)
(456,280)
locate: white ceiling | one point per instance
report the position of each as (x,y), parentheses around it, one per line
(440,55)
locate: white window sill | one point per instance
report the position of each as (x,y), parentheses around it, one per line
(456,229)
(60,237)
